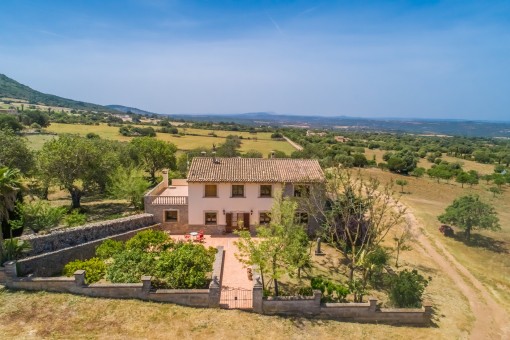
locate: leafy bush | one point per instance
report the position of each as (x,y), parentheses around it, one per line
(407,288)
(331,292)
(95,269)
(147,239)
(13,249)
(305,291)
(75,219)
(109,248)
(129,266)
(186,266)
(40,215)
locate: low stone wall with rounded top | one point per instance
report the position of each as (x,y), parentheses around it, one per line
(65,238)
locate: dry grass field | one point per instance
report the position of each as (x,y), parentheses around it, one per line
(262,143)
(488,256)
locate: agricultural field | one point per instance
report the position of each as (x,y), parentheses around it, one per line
(488,255)
(194,138)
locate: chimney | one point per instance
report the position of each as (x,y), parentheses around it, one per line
(272,154)
(214,157)
(203,153)
(165,178)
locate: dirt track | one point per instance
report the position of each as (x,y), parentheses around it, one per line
(491,320)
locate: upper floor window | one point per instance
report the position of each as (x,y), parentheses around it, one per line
(211,190)
(266,190)
(237,190)
(301,190)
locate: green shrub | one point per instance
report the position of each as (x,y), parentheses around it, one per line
(331,292)
(305,291)
(40,215)
(75,219)
(13,249)
(146,239)
(407,288)
(109,248)
(95,269)
(186,266)
(129,265)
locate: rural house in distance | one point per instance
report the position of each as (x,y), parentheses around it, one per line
(221,195)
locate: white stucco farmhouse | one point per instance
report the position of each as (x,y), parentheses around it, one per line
(221,195)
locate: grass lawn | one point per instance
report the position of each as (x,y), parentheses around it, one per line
(263,143)
(48,315)
(488,255)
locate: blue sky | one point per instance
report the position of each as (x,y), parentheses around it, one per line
(425,59)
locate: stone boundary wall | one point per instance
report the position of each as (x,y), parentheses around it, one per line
(64,238)
(143,291)
(354,312)
(3,276)
(52,263)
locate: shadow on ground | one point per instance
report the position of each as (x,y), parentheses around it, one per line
(481,241)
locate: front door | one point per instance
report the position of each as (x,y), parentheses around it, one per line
(237,221)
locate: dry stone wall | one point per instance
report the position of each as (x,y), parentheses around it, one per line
(65,238)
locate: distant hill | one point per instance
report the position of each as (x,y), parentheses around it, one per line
(449,127)
(12,89)
(127,109)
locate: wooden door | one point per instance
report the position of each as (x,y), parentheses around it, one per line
(246,220)
(228,228)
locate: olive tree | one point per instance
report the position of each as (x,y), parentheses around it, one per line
(153,155)
(470,213)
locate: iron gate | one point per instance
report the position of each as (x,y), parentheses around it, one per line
(236,298)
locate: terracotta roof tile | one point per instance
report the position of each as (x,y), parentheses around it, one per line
(277,170)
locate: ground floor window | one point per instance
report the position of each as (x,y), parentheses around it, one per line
(171,215)
(211,218)
(302,218)
(264,218)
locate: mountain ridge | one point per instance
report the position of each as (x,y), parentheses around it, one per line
(10,88)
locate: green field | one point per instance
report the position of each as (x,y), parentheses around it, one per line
(260,141)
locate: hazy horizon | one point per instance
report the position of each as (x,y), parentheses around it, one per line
(425,60)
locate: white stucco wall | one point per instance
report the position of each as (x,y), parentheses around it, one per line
(198,204)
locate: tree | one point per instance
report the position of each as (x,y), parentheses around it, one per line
(470,213)
(402,240)
(358,214)
(499,180)
(402,183)
(462,178)
(418,172)
(73,163)
(153,155)
(252,154)
(282,246)
(402,162)
(10,184)
(495,191)
(9,122)
(14,152)
(128,183)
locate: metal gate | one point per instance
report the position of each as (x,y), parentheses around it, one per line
(236,298)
